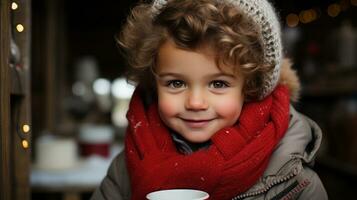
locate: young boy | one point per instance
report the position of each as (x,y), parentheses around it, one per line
(212,107)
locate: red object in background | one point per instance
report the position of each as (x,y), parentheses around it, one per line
(95,140)
(87,149)
(313,48)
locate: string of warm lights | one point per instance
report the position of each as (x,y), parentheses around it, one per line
(14,6)
(19,27)
(310,15)
(25,129)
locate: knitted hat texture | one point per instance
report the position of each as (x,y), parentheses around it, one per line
(262,13)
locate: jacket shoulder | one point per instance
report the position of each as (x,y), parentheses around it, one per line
(116,184)
(305,185)
(311,184)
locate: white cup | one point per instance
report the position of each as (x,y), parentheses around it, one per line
(178,194)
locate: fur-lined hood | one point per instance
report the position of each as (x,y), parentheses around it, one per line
(288,77)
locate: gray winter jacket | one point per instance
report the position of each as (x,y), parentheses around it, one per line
(288,175)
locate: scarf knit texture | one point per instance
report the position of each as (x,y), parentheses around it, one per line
(236,159)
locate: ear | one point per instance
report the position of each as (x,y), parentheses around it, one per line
(288,77)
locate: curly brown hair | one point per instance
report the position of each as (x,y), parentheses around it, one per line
(193,25)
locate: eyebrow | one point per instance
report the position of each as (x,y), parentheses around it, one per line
(161,75)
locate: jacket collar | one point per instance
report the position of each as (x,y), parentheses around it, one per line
(302,140)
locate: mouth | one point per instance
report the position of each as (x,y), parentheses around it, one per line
(196,123)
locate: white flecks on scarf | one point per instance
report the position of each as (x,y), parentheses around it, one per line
(136,126)
(202,178)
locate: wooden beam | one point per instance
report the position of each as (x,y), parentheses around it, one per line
(20,104)
(5,168)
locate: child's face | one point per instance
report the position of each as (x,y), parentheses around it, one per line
(195,97)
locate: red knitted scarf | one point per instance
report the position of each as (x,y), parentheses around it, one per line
(235,160)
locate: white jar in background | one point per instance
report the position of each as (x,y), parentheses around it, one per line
(55,153)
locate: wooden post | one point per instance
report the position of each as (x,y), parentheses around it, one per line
(14,101)
(21,102)
(5,169)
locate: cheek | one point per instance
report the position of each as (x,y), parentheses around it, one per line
(230,109)
(167,106)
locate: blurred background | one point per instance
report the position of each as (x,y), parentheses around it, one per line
(64,99)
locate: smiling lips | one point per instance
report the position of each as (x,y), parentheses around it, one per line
(196,123)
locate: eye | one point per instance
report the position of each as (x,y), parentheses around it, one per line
(219,84)
(175,84)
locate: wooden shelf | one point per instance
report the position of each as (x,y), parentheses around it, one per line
(337,83)
(325,91)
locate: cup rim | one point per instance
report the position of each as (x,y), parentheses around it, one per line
(205,195)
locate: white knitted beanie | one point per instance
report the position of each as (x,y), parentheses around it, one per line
(263,15)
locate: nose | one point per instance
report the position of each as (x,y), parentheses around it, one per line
(196,100)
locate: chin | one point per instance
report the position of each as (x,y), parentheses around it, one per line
(198,139)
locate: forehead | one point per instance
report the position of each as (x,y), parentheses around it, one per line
(170,56)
